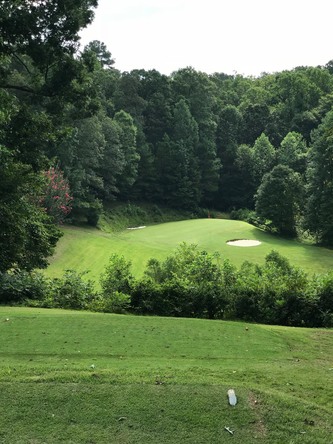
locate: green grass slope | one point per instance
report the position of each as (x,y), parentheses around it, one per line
(89,249)
(78,377)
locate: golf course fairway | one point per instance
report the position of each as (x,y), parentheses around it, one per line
(89,249)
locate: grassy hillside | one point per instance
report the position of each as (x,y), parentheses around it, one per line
(90,249)
(78,377)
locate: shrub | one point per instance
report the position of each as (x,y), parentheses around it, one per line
(243,214)
(72,291)
(274,293)
(321,289)
(117,302)
(117,276)
(134,211)
(188,283)
(156,212)
(252,218)
(299,310)
(18,286)
(145,297)
(116,282)
(167,299)
(204,213)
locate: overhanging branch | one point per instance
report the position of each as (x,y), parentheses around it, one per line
(26,89)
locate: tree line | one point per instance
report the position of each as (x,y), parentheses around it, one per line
(189,140)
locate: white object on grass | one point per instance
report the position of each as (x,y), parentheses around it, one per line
(137,228)
(232,397)
(228,430)
(244,243)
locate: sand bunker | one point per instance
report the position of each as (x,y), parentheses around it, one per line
(137,228)
(243,243)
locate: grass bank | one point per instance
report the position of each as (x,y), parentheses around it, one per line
(78,377)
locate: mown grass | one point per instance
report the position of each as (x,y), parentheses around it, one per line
(90,249)
(78,377)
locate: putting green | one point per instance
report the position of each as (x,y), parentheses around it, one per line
(89,249)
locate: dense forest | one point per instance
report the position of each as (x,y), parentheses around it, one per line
(76,135)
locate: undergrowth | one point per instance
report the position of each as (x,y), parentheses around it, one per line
(118,217)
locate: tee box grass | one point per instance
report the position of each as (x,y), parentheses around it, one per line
(80,377)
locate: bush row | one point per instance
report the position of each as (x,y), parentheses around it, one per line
(189,283)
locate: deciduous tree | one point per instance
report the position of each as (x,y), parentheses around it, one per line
(279,198)
(319,209)
(28,235)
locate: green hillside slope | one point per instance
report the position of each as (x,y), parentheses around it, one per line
(79,377)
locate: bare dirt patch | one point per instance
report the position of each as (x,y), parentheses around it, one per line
(243,242)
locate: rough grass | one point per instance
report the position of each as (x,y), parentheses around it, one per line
(78,377)
(119,216)
(89,249)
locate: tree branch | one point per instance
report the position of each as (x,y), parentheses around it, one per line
(22,63)
(19,88)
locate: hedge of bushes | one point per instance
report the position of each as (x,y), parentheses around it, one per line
(189,283)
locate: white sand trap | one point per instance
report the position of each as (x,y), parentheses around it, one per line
(244,243)
(137,228)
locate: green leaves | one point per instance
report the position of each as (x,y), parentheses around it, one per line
(319,210)
(27,234)
(117,276)
(279,198)
(37,27)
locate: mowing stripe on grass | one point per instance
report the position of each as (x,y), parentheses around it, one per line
(89,249)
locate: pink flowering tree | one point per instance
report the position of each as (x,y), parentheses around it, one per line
(56,198)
